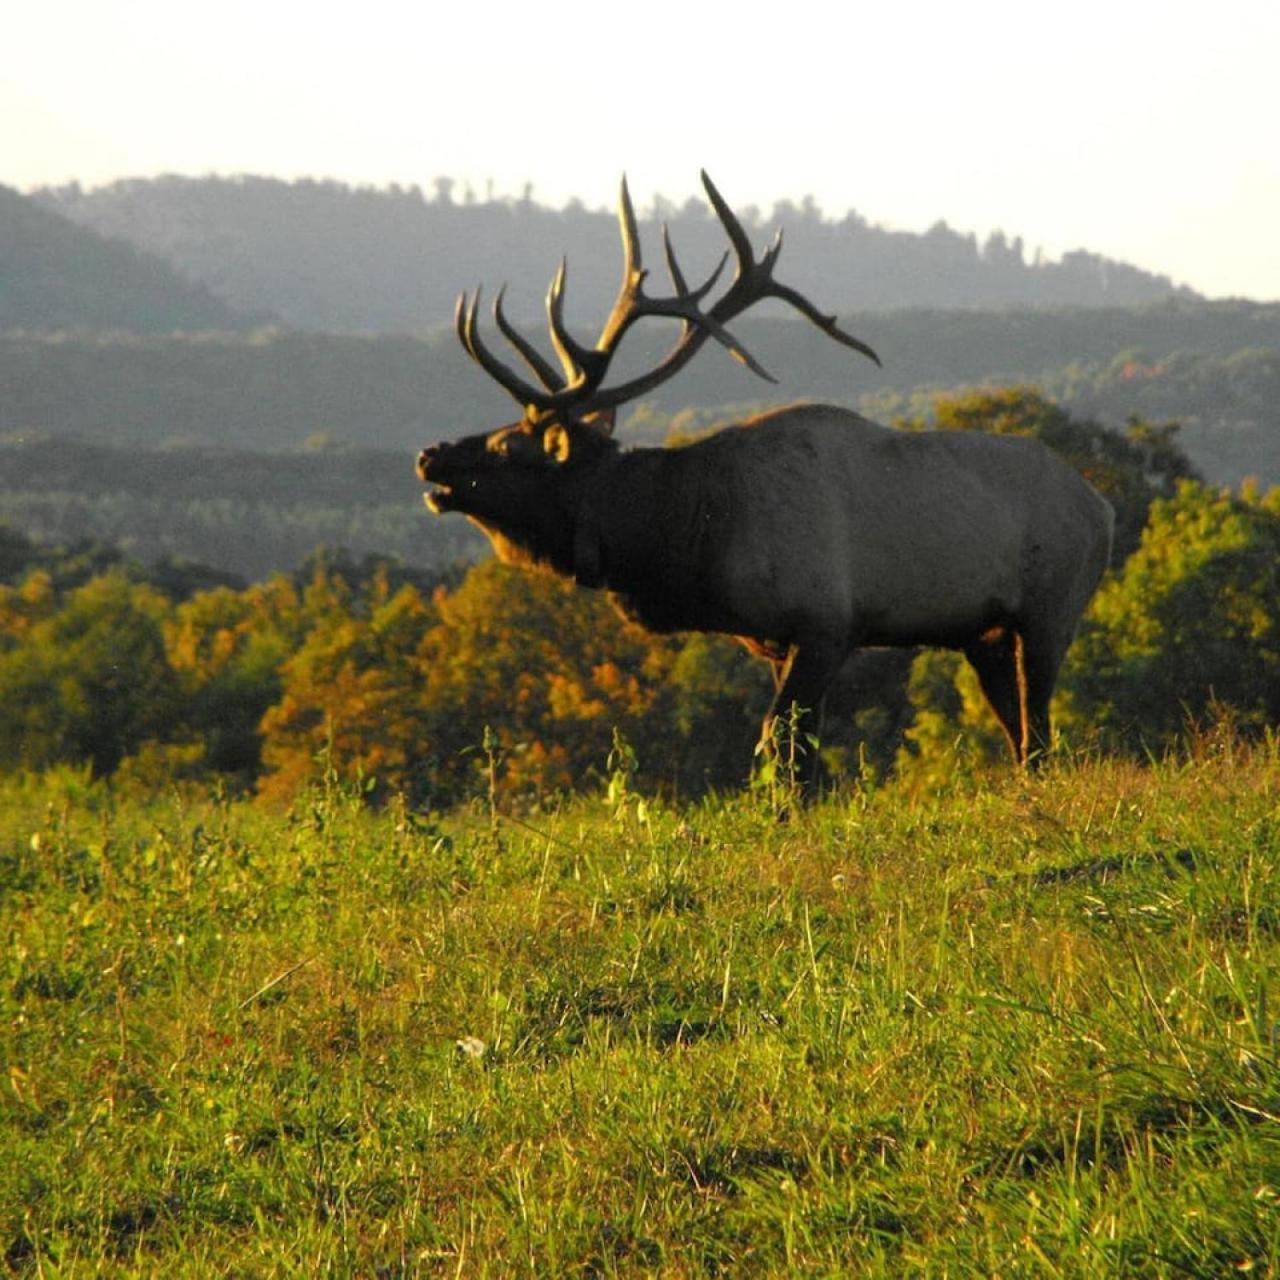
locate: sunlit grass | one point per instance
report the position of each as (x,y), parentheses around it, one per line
(1018,1026)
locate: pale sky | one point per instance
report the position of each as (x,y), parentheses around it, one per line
(1148,132)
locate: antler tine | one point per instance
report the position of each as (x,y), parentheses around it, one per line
(528,352)
(633,304)
(732,227)
(582,365)
(632,265)
(772,253)
(464,321)
(460,321)
(824,322)
(785,293)
(627,308)
(699,319)
(677,276)
(673,267)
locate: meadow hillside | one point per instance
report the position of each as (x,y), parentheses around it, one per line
(995,1026)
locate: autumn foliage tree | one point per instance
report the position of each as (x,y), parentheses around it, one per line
(351,690)
(227,649)
(405,690)
(551,669)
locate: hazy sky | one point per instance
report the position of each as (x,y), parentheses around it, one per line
(1148,132)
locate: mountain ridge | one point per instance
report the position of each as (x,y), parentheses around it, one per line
(326,256)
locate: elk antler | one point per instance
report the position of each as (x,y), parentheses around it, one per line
(580,390)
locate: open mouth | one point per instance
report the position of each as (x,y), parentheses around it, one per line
(438,498)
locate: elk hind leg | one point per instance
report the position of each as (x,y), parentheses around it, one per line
(998,658)
(1042,660)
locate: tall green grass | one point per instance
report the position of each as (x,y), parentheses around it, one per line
(1013,1027)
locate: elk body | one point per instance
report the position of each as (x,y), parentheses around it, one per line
(806,532)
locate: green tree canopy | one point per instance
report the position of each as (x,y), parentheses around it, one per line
(1192,623)
(88,682)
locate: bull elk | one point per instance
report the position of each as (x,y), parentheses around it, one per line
(805,532)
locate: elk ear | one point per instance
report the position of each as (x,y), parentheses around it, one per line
(555,441)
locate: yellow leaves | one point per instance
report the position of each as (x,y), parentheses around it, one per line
(214,630)
(568,700)
(410,691)
(37,594)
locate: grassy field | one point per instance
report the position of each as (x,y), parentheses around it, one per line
(1019,1028)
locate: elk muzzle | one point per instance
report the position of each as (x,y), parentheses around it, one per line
(424,461)
(437,499)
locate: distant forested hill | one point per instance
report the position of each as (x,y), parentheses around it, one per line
(55,274)
(1213,366)
(248,514)
(325,256)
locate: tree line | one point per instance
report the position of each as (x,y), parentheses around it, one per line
(441,686)
(323,255)
(246,514)
(1225,404)
(1215,363)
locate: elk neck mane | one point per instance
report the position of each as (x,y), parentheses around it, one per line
(561,535)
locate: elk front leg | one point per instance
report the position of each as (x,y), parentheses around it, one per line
(998,659)
(801,680)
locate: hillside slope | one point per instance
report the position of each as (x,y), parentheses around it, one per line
(324,256)
(55,275)
(1213,366)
